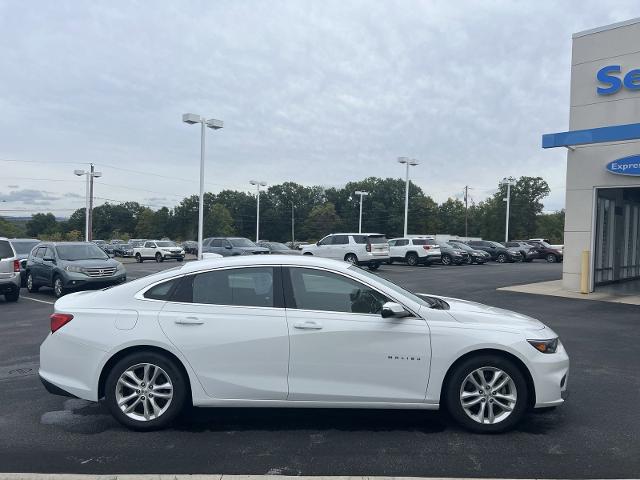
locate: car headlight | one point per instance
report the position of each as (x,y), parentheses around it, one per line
(120,266)
(74,269)
(545,346)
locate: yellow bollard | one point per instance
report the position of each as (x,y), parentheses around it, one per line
(584,272)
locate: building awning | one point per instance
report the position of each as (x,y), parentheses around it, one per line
(614,133)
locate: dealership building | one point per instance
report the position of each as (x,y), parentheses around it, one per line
(603,160)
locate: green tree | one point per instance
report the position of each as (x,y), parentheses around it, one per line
(550,226)
(218,222)
(8,229)
(42,224)
(451,216)
(321,221)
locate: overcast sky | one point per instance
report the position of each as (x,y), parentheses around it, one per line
(316,92)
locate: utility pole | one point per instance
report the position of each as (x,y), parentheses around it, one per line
(362,194)
(293,232)
(509,182)
(88,216)
(466,211)
(90,229)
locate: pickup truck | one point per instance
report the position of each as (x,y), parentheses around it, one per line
(158,250)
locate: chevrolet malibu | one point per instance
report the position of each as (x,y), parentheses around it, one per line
(281,331)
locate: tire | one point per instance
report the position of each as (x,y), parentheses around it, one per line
(58,287)
(351,258)
(139,258)
(31,285)
(374,266)
(12,297)
(515,390)
(159,257)
(501,258)
(446,259)
(551,258)
(168,408)
(412,259)
(390,261)
(179,259)
(307,253)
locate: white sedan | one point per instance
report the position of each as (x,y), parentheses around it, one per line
(280,331)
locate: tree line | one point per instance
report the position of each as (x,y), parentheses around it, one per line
(314,211)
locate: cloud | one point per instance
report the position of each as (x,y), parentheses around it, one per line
(29,197)
(13,186)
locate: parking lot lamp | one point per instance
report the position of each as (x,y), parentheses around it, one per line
(509,182)
(214,124)
(362,194)
(88,220)
(409,162)
(258,184)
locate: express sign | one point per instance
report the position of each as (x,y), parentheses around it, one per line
(625,166)
(613,84)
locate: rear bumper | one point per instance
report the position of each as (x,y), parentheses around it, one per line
(54,389)
(10,284)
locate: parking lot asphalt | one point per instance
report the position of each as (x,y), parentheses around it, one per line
(595,434)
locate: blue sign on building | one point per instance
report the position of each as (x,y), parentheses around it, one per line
(625,166)
(606,76)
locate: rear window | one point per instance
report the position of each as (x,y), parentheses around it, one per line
(377,239)
(5,249)
(162,291)
(423,241)
(360,239)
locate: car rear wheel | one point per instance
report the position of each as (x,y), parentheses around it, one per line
(179,259)
(551,258)
(374,266)
(487,394)
(138,258)
(446,259)
(159,257)
(412,259)
(58,287)
(12,297)
(351,258)
(501,258)
(145,391)
(307,253)
(31,286)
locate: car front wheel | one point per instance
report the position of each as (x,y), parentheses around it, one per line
(58,287)
(138,258)
(487,394)
(31,286)
(145,391)
(159,257)
(501,258)
(446,259)
(551,258)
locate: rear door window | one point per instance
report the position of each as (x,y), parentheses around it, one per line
(402,243)
(361,239)
(5,249)
(340,240)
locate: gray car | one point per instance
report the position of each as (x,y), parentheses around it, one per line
(230,246)
(68,266)
(23,247)
(9,272)
(277,248)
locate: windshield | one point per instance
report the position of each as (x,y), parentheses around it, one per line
(423,241)
(462,246)
(23,248)
(242,242)
(81,252)
(166,244)
(545,244)
(495,244)
(392,286)
(278,246)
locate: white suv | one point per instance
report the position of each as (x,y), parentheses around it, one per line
(158,250)
(414,251)
(9,271)
(370,249)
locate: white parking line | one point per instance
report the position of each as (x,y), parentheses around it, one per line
(37,300)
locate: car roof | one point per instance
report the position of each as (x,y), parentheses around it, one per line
(23,239)
(264,260)
(363,233)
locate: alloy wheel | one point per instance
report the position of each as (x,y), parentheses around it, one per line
(488,395)
(501,258)
(446,260)
(58,288)
(144,392)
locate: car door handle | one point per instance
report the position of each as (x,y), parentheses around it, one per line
(189,321)
(308,325)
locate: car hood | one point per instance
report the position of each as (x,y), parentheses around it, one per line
(252,249)
(468,312)
(92,263)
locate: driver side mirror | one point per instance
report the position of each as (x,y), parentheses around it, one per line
(319,243)
(393,310)
(49,259)
(228,247)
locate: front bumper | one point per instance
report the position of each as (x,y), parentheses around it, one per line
(80,281)
(550,373)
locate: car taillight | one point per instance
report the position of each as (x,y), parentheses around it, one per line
(368,247)
(58,320)
(16,265)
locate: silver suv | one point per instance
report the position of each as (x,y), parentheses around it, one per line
(9,271)
(370,249)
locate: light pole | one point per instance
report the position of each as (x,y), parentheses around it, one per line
(88,220)
(409,162)
(258,184)
(509,182)
(214,124)
(362,194)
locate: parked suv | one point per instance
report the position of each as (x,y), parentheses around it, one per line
(451,254)
(9,271)
(527,250)
(158,250)
(123,249)
(370,249)
(475,256)
(277,248)
(67,266)
(414,251)
(546,251)
(498,252)
(23,247)
(232,246)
